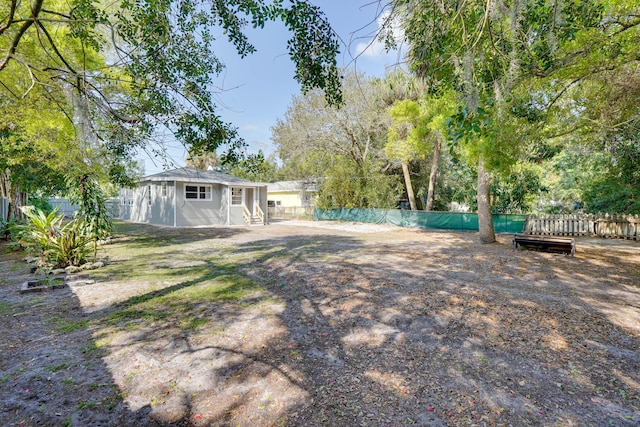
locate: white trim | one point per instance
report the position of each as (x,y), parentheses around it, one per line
(175,204)
(208,194)
(228,205)
(243,195)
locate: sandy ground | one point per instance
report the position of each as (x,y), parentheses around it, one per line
(351,325)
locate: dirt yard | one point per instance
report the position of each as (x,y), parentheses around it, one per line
(313,324)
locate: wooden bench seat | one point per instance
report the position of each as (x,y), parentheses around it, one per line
(545,243)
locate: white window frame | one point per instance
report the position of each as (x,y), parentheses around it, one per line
(207,190)
(163,187)
(234,197)
(149,201)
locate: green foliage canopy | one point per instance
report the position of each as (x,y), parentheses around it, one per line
(136,66)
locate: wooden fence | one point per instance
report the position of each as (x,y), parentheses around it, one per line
(601,225)
(290,212)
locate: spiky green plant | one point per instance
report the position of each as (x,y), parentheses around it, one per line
(55,241)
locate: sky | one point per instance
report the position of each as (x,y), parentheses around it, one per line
(256,90)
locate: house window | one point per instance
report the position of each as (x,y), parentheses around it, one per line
(236,196)
(164,189)
(149,195)
(197,192)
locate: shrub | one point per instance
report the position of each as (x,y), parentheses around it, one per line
(54,241)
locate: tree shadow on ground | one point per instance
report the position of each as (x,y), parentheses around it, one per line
(446,332)
(51,372)
(481,333)
(418,329)
(147,235)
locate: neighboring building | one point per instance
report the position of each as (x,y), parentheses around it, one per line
(291,198)
(192,197)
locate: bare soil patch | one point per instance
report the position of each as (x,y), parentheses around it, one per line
(311,324)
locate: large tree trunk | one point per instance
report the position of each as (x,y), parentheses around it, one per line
(15,197)
(431,194)
(16,201)
(4,184)
(407,181)
(485,221)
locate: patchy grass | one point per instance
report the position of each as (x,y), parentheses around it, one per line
(87,404)
(188,276)
(56,368)
(317,328)
(182,304)
(5,308)
(66,326)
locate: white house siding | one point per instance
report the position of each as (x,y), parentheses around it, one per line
(236,217)
(235,211)
(175,209)
(136,205)
(199,212)
(161,209)
(140,207)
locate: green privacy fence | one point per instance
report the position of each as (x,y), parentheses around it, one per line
(432,220)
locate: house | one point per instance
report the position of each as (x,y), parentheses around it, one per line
(191,197)
(291,198)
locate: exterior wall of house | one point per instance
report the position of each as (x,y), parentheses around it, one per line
(263,203)
(161,208)
(150,202)
(134,204)
(248,199)
(286,199)
(215,209)
(194,212)
(235,211)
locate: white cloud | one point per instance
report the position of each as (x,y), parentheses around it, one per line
(374,47)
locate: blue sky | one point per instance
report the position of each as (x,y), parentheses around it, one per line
(256,90)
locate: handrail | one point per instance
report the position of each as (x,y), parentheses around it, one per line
(246,214)
(259,212)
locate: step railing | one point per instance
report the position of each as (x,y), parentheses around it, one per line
(246,213)
(260,213)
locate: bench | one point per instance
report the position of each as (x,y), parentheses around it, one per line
(545,243)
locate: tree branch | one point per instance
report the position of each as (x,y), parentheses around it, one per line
(55,48)
(35,11)
(10,21)
(53,12)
